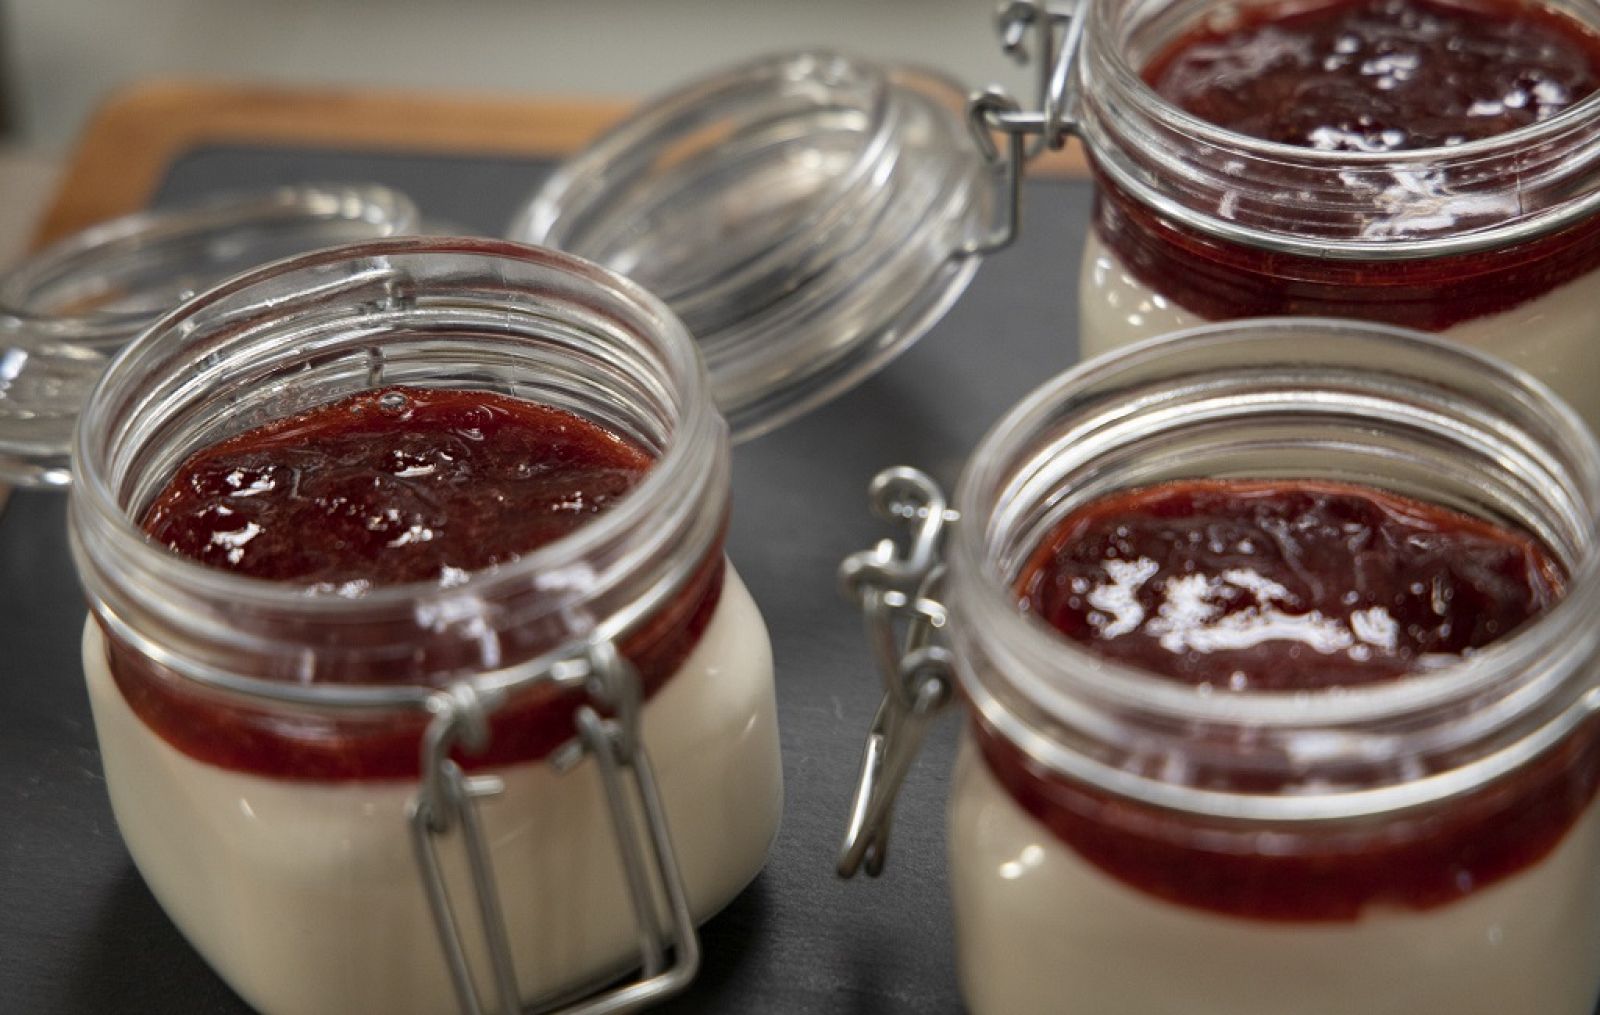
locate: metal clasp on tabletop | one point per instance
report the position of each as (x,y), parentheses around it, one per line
(447,800)
(1057,30)
(898,586)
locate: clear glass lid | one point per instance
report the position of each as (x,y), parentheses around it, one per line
(808,216)
(67,309)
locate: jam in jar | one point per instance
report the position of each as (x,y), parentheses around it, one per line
(1419,163)
(1276,644)
(423,554)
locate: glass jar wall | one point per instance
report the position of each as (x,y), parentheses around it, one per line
(299,882)
(1493,242)
(1122,843)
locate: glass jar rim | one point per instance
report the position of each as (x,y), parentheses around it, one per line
(1106,54)
(1584,110)
(684,455)
(1079,675)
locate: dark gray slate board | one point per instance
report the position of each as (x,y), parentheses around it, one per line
(79,932)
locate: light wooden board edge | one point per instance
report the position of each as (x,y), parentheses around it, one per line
(128,145)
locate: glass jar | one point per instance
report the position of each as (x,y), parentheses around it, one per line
(1123,844)
(1495,242)
(401,800)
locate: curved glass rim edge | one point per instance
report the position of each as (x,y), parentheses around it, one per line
(1530,227)
(602,529)
(1124,682)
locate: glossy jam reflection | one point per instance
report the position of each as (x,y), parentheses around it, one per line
(393,485)
(396,485)
(1380,75)
(1275,586)
(1288,586)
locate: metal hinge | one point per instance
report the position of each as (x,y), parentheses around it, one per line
(898,588)
(1057,30)
(607,729)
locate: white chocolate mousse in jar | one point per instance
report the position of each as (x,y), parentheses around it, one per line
(1278,587)
(1424,164)
(393,577)
(1278,648)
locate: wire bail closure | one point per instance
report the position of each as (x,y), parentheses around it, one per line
(606,728)
(1057,30)
(894,587)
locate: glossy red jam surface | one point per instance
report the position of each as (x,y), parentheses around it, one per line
(1367,76)
(1285,586)
(392,486)
(1380,75)
(1271,586)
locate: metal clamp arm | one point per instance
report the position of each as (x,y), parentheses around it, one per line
(1057,29)
(893,585)
(608,730)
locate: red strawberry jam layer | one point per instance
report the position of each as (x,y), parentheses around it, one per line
(1369,76)
(1285,586)
(1380,75)
(391,486)
(400,485)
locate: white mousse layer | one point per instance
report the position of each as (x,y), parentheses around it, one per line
(1555,337)
(1039,930)
(305,896)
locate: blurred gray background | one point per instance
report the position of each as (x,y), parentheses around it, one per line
(64,55)
(61,58)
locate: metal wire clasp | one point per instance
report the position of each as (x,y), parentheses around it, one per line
(607,728)
(1057,28)
(898,585)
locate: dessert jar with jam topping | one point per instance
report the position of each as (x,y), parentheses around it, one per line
(1126,843)
(1395,216)
(503,785)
